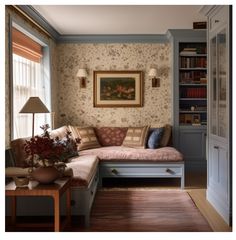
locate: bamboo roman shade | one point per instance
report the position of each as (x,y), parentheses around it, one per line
(25,47)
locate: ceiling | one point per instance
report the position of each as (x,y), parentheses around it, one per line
(119,19)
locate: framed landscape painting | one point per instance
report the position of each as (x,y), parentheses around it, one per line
(118,88)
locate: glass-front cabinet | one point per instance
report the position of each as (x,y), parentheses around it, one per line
(219,114)
(218,76)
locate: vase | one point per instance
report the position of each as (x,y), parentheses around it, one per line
(45,175)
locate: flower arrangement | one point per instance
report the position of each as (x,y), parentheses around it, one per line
(45,151)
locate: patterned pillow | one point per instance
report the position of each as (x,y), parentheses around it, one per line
(136,137)
(153,140)
(59,132)
(111,136)
(166,136)
(87,137)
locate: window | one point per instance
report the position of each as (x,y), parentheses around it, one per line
(29,79)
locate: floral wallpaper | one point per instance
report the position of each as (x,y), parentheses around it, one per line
(75,104)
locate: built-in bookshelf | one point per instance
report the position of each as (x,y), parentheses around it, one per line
(192,83)
(190,96)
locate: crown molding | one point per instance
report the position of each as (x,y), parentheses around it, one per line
(204,10)
(185,33)
(39,19)
(117,38)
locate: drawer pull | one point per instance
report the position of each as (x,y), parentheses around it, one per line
(170,171)
(114,171)
(216,147)
(216,21)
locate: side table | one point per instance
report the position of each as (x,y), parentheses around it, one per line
(54,190)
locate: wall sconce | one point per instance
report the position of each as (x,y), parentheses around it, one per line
(153,75)
(82,74)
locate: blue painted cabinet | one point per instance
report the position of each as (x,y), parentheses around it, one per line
(192,143)
(190,96)
(219,168)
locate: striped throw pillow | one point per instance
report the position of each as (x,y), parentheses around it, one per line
(136,137)
(87,136)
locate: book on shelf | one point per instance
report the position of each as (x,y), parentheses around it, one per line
(196,124)
(188,62)
(203,80)
(183,53)
(197,92)
(188,51)
(199,25)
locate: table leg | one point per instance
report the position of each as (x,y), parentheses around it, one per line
(68,206)
(13,210)
(56,212)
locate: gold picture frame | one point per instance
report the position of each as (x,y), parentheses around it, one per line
(118,88)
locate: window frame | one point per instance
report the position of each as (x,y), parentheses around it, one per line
(17,23)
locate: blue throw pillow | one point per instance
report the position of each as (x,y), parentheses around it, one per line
(155,137)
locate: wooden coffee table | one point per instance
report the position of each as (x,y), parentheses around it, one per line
(54,190)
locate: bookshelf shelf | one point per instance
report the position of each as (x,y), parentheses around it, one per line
(193,84)
(193,112)
(193,99)
(194,69)
(192,55)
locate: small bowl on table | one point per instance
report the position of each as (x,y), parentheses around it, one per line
(21,181)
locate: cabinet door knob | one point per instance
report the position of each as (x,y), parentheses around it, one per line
(114,171)
(216,147)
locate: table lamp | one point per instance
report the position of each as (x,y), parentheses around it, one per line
(34,105)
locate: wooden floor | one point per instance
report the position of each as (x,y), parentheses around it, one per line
(195,185)
(214,219)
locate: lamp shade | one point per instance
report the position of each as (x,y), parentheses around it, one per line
(81,73)
(152,72)
(34,105)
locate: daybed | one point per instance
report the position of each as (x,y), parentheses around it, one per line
(107,152)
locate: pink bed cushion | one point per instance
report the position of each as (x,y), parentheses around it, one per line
(83,168)
(111,136)
(131,154)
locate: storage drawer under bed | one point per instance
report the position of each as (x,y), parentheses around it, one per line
(141,170)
